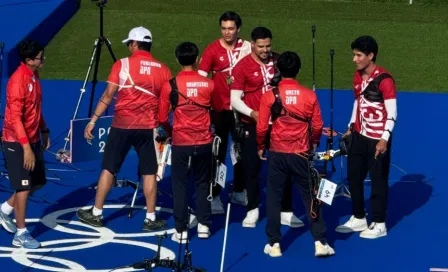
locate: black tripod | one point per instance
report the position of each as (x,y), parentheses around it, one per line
(174,265)
(330,141)
(96,55)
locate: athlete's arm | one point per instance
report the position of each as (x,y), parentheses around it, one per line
(205,63)
(104,102)
(164,106)
(316,123)
(112,87)
(238,104)
(236,91)
(387,88)
(264,116)
(354,111)
(15,97)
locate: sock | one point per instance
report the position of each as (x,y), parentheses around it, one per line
(6,208)
(97,212)
(151,216)
(21,231)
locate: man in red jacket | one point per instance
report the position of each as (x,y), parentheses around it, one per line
(251,79)
(219,59)
(24,125)
(189,94)
(295,113)
(138,80)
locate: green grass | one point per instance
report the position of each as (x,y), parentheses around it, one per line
(412,38)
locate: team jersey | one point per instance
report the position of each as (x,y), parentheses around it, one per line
(137,109)
(289,135)
(253,79)
(23,114)
(220,62)
(371,116)
(191,123)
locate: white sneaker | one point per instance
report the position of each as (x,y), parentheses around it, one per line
(376,230)
(176,237)
(251,218)
(203,231)
(289,219)
(353,224)
(217,206)
(240,198)
(273,251)
(323,249)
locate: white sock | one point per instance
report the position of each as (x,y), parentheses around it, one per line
(97,212)
(151,216)
(6,208)
(21,231)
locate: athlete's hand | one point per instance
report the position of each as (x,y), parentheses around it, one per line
(254,115)
(29,159)
(381,147)
(88,132)
(348,132)
(260,155)
(45,141)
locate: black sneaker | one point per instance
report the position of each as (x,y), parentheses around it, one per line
(87,217)
(150,225)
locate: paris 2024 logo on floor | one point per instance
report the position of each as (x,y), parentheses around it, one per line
(96,237)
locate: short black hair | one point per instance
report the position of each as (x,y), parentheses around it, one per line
(260,32)
(366,45)
(289,64)
(231,16)
(29,49)
(187,53)
(145,46)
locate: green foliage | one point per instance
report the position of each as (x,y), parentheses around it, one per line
(412,38)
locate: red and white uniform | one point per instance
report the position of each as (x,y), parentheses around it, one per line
(289,135)
(23,114)
(371,118)
(253,79)
(136,109)
(220,62)
(191,123)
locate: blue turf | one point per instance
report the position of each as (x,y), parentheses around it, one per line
(416,231)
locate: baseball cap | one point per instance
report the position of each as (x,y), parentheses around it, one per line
(138,34)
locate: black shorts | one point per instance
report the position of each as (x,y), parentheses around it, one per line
(19,178)
(119,142)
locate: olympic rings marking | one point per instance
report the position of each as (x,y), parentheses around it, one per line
(104,236)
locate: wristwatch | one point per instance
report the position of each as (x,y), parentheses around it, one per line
(45,131)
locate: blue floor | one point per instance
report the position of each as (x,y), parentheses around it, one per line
(416,233)
(417,193)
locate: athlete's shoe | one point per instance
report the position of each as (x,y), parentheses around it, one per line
(25,240)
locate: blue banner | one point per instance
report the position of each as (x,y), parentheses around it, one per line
(80,150)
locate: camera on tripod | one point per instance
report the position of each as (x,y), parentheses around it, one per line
(100,3)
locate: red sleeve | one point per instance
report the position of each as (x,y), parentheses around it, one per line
(15,101)
(264,114)
(164,106)
(316,122)
(387,88)
(114,76)
(238,78)
(205,63)
(168,74)
(212,89)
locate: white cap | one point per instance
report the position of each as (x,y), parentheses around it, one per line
(138,34)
